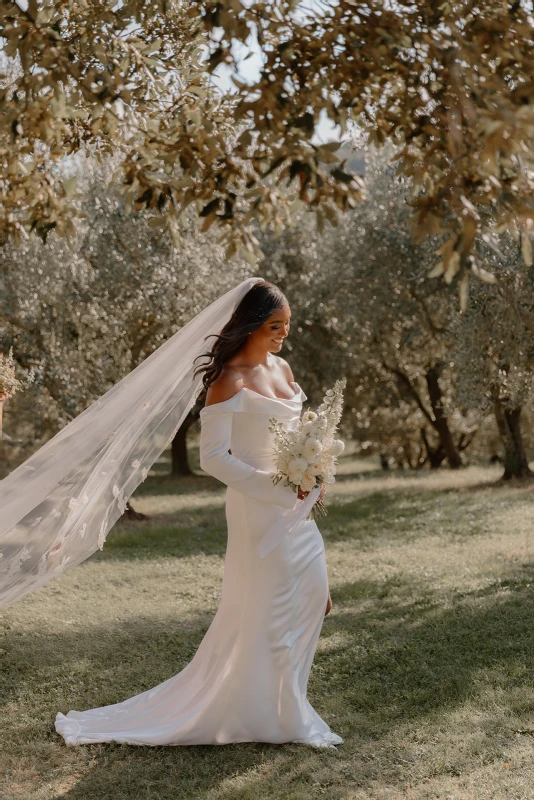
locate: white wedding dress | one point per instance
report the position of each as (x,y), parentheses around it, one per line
(247,681)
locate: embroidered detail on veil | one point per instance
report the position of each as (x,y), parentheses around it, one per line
(59,505)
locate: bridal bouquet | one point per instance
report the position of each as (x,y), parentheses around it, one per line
(307,456)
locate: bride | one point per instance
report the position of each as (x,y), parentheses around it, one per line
(248,679)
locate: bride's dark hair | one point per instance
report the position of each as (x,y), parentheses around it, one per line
(255,308)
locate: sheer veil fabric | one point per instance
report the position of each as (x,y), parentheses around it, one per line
(58,506)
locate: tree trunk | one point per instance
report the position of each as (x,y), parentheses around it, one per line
(384,461)
(441,423)
(180,460)
(434,455)
(437,418)
(509,426)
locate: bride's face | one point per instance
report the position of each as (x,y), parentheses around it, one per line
(272,333)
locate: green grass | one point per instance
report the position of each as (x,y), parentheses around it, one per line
(425,665)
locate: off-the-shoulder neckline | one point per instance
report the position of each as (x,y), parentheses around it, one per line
(246,389)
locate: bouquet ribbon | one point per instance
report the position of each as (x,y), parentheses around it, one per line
(287,522)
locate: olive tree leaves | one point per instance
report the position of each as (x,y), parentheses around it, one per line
(451,84)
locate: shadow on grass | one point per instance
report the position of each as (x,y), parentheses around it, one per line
(410,657)
(381,515)
(404,512)
(194,531)
(399,515)
(109,663)
(411,480)
(404,659)
(162,485)
(203,530)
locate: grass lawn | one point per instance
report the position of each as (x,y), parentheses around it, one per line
(425,665)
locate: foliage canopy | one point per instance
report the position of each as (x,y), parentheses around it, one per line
(452,83)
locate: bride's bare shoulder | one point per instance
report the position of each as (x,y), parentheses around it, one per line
(285,368)
(229,383)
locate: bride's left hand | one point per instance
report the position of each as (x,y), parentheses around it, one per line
(328,604)
(301,495)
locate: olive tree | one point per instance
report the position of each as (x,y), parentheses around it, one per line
(361,290)
(451,83)
(83,312)
(494,352)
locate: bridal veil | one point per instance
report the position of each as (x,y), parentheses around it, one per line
(58,506)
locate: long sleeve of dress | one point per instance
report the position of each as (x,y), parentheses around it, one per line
(216,460)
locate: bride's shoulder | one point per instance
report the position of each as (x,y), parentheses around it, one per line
(228,384)
(285,368)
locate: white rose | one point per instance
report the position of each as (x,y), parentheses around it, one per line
(296,469)
(300,464)
(306,427)
(295,476)
(307,481)
(329,477)
(316,468)
(295,449)
(312,449)
(309,416)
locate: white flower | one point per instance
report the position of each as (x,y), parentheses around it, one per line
(295,476)
(316,468)
(144,473)
(73,502)
(36,522)
(337,447)
(82,530)
(55,513)
(307,482)
(296,468)
(312,449)
(122,503)
(295,449)
(136,463)
(319,426)
(116,491)
(307,454)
